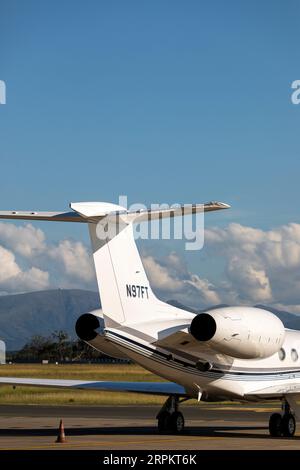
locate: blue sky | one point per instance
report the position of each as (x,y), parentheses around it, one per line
(164,101)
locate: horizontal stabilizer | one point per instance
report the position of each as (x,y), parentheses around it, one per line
(36,215)
(95,211)
(176,211)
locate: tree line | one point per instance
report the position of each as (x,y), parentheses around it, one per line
(58,347)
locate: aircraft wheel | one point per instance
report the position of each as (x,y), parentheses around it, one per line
(288,425)
(177,422)
(275,425)
(163,422)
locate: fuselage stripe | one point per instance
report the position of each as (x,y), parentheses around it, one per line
(164,358)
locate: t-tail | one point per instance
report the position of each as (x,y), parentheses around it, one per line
(125,291)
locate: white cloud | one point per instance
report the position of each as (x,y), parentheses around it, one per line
(205,289)
(8,266)
(30,280)
(74,260)
(160,277)
(251,279)
(13,279)
(259,266)
(170,277)
(24,240)
(28,262)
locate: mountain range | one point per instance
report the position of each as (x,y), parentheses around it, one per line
(43,312)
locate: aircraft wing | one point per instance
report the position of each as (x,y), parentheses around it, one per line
(275,391)
(153,388)
(291,393)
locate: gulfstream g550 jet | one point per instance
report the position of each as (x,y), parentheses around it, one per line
(232,353)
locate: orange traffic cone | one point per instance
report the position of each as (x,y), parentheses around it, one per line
(61,433)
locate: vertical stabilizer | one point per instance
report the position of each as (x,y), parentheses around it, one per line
(125,292)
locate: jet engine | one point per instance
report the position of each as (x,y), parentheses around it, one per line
(240,332)
(90,328)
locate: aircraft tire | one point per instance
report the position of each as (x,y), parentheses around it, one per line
(275,425)
(177,422)
(163,422)
(288,425)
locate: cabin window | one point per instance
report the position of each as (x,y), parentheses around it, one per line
(281,354)
(294,355)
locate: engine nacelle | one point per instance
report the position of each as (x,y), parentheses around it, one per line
(241,332)
(90,328)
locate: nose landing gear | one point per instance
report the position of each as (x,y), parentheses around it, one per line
(282,425)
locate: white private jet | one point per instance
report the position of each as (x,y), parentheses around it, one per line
(232,353)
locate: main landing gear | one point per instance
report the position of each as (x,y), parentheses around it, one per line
(282,424)
(169,418)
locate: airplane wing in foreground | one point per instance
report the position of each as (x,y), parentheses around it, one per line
(275,391)
(153,388)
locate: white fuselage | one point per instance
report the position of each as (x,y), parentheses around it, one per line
(229,378)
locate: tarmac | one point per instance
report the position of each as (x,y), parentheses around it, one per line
(208,426)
